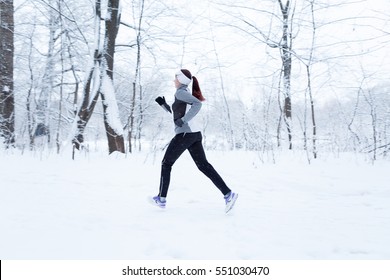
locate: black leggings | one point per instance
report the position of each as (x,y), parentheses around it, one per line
(193,142)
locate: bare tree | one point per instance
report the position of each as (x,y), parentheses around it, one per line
(283,44)
(151,36)
(42,113)
(309,90)
(29,97)
(227,124)
(7,106)
(136,99)
(48,80)
(285,50)
(100,81)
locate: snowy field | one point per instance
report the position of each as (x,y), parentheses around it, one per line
(96,208)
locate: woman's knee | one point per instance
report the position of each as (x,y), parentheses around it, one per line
(204,166)
(166,164)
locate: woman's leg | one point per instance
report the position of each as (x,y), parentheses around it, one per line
(176,147)
(198,155)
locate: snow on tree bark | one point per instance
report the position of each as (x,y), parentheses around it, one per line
(286,45)
(100,82)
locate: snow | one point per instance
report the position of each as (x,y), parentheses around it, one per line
(112,111)
(6,89)
(96,208)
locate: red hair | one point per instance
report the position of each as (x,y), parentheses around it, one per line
(196,89)
(195,85)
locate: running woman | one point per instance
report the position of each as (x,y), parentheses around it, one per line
(188,136)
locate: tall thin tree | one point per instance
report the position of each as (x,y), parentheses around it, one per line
(7,105)
(285,49)
(43,100)
(132,133)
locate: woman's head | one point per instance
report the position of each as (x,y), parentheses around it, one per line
(183,76)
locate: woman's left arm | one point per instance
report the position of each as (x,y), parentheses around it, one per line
(195,103)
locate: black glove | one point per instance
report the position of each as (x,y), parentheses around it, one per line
(179,122)
(161,101)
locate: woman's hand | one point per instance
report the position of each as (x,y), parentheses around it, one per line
(179,122)
(161,101)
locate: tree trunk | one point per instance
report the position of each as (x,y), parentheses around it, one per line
(91,89)
(286,46)
(7,105)
(42,110)
(100,82)
(133,130)
(88,103)
(114,129)
(313,119)
(130,121)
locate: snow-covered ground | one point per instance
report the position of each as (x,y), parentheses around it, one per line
(95,207)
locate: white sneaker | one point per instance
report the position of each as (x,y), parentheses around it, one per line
(156,200)
(230,201)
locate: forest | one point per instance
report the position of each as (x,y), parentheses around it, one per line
(309,75)
(296,121)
